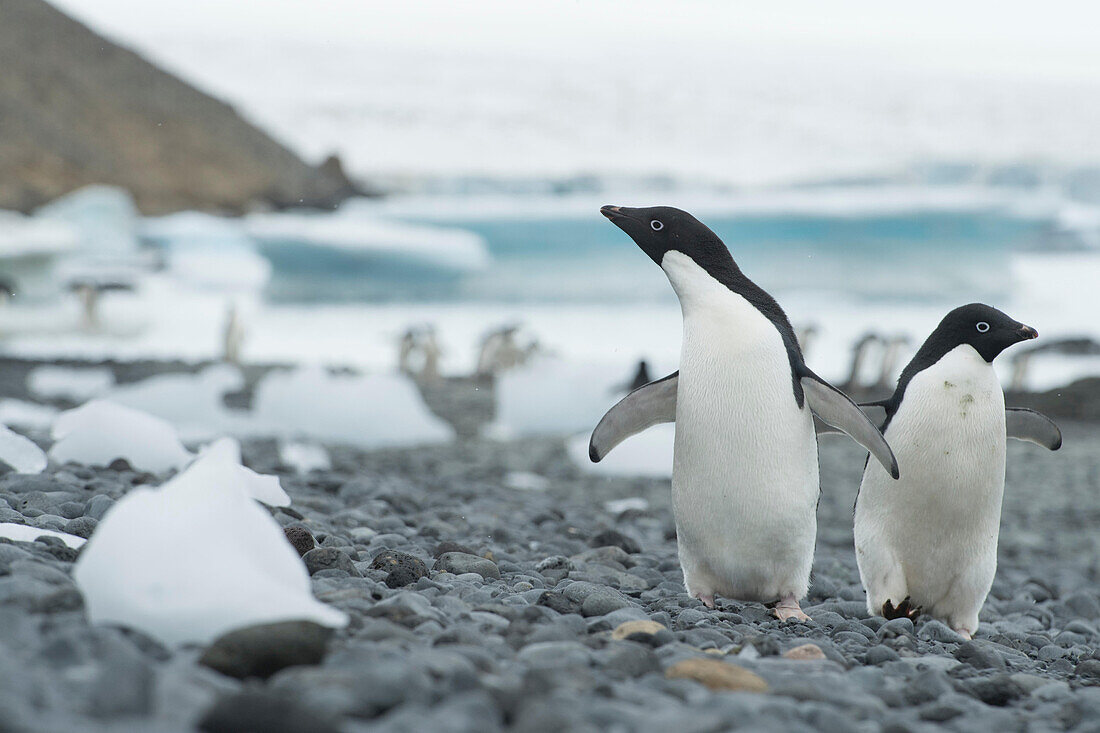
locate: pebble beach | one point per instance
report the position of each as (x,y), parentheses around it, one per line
(495,586)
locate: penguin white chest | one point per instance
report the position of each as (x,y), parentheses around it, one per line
(950,432)
(932,535)
(745,474)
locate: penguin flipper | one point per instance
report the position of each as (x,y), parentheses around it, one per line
(653,404)
(876,411)
(1032,426)
(833,407)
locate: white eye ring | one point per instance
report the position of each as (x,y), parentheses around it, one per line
(656,225)
(982,327)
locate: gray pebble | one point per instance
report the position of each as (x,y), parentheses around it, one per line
(980,655)
(555,654)
(933,630)
(264,649)
(81,526)
(329,558)
(460,563)
(97,506)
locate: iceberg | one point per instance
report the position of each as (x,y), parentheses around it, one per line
(104,216)
(352,231)
(194,559)
(100,431)
(27,237)
(373,411)
(20,453)
(209,251)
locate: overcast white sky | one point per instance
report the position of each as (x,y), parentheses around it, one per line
(741,91)
(1052,39)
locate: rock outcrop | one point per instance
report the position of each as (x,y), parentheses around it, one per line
(77,109)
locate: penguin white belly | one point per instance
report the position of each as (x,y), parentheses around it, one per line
(745,471)
(932,535)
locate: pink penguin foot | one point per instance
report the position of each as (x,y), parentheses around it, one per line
(706,598)
(788,610)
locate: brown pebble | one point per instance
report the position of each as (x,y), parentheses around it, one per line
(300,538)
(805,652)
(717,675)
(629,628)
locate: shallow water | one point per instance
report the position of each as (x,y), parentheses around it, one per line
(573,259)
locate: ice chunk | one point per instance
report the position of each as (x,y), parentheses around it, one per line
(101,431)
(260,487)
(209,251)
(525,481)
(78,385)
(618,506)
(648,453)
(553,396)
(20,453)
(23,533)
(104,216)
(27,414)
(354,230)
(378,410)
(24,236)
(304,457)
(193,403)
(194,559)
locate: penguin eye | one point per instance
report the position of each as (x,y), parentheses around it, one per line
(982,326)
(656,225)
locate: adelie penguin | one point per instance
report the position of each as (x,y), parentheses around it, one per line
(929,541)
(745,472)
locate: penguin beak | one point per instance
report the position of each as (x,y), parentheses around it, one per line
(612,212)
(1026,333)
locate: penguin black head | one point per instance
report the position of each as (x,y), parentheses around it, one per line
(661,229)
(983,327)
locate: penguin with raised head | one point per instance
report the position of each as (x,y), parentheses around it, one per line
(745,471)
(929,541)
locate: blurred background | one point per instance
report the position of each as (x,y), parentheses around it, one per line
(415,186)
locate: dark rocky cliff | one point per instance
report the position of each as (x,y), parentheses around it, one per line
(76,109)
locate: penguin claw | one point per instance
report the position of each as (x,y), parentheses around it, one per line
(905,609)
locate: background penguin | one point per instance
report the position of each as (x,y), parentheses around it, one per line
(929,541)
(745,472)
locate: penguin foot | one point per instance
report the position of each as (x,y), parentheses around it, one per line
(706,598)
(788,610)
(964,633)
(905,609)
